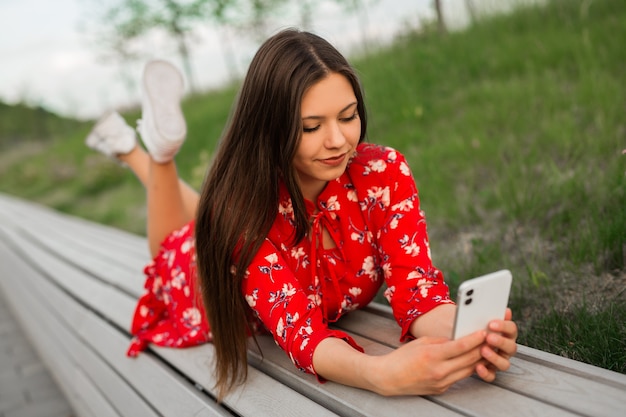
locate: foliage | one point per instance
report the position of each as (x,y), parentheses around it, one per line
(130,20)
(20,123)
(598,337)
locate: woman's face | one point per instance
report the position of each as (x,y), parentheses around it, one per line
(330,134)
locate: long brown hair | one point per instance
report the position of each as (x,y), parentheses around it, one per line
(239,199)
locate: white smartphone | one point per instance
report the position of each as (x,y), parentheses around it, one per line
(481,300)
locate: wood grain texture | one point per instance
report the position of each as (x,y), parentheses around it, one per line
(75,285)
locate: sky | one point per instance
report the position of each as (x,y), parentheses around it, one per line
(48,57)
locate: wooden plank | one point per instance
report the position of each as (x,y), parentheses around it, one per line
(369,324)
(343,400)
(116,306)
(260,396)
(71,282)
(167,391)
(128,277)
(297,399)
(120,250)
(93,397)
(571,392)
(254,398)
(44,334)
(603,376)
(537,381)
(93,367)
(56,362)
(468,397)
(564,383)
(17,208)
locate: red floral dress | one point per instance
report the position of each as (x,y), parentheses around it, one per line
(371,213)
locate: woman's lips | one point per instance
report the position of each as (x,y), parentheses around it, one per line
(334,161)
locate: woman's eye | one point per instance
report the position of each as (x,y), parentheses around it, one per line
(350,118)
(310,129)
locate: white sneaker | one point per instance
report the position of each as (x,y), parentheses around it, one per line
(162,126)
(111,135)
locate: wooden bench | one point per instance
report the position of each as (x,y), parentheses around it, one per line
(73,285)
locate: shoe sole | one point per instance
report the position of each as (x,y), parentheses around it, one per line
(164,87)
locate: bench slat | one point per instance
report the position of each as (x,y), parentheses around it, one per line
(41,325)
(100,267)
(256,399)
(124,240)
(568,386)
(72,281)
(144,373)
(467,397)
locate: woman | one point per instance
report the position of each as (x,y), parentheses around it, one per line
(298,223)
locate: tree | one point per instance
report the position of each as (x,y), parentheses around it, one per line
(253,16)
(249,16)
(360,7)
(306,10)
(134,18)
(441,23)
(130,20)
(471,10)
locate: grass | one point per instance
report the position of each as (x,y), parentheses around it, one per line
(514,130)
(584,335)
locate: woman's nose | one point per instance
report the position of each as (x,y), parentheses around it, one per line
(335,138)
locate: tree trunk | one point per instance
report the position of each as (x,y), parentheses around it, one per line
(364,24)
(184,54)
(183,51)
(441,24)
(229,56)
(471,10)
(305,14)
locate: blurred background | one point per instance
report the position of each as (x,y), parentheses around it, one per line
(81,57)
(510,113)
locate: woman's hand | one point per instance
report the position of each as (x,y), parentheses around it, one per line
(429,365)
(500,343)
(499,347)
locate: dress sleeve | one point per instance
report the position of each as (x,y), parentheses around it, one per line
(293,318)
(414,285)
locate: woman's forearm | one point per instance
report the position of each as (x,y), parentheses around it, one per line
(335,360)
(438,322)
(428,365)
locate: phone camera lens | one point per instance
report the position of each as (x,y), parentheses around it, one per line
(470,293)
(468,301)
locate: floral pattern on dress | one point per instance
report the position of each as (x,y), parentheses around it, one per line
(170,313)
(373,217)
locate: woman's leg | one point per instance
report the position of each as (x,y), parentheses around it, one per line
(138,160)
(113,137)
(166,209)
(171,203)
(163,131)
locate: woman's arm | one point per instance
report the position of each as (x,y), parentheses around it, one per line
(421,367)
(438,322)
(293,317)
(428,365)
